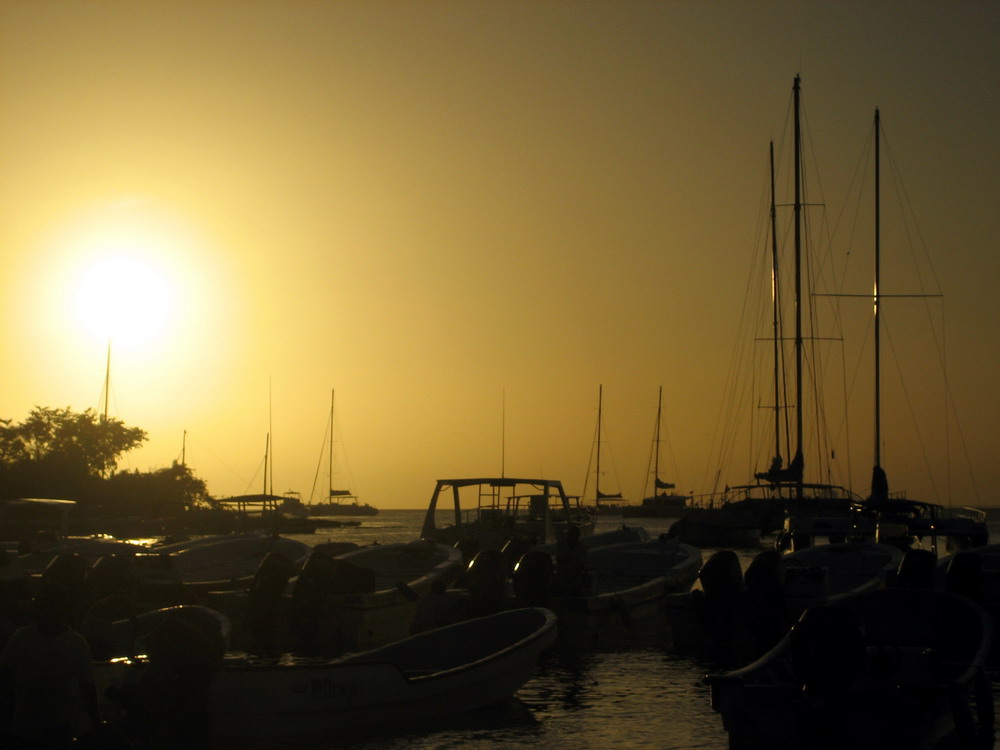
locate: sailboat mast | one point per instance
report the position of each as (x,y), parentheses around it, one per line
(597,482)
(329,489)
(798,289)
(878,300)
(775,311)
(656,443)
(107,384)
(267,454)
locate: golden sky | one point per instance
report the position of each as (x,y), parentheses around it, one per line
(465,216)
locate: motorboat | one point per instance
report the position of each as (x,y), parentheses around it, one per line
(468,665)
(228,561)
(489,512)
(733,616)
(895,667)
(359,599)
(618,595)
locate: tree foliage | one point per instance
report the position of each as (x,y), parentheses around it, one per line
(67,442)
(157,494)
(59,453)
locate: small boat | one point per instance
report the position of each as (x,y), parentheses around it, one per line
(605,503)
(128,637)
(228,561)
(732,617)
(497,510)
(974,573)
(896,667)
(396,577)
(442,672)
(360,599)
(339,501)
(621,590)
(664,502)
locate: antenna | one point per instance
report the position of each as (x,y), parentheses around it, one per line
(503,431)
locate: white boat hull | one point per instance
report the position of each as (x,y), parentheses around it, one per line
(461,667)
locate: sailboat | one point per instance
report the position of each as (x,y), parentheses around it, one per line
(757,508)
(662,503)
(606,503)
(339,501)
(820,511)
(267,511)
(898,520)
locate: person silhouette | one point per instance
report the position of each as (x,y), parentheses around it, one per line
(46,676)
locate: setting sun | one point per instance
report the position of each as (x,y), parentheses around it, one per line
(124,298)
(125,280)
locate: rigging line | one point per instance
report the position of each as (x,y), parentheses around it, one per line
(319,464)
(912,411)
(351,481)
(733,404)
(262,464)
(736,353)
(665,437)
(950,402)
(214,455)
(904,200)
(965,448)
(650,460)
(614,466)
(590,465)
(862,171)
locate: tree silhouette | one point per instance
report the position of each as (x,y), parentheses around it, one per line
(65,442)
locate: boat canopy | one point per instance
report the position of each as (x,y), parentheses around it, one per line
(14,508)
(544,489)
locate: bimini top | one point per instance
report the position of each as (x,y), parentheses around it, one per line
(489,500)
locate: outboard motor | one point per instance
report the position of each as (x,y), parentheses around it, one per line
(311,607)
(721,574)
(965,575)
(168,705)
(766,602)
(513,550)
(916,569)
(486,578)
(268,586)
(532,578)
(721,606)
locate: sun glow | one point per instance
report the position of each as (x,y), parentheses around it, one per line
(124,298)
(124,283)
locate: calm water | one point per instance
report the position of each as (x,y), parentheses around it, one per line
(643,697)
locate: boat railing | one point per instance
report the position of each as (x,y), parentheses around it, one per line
(975,514)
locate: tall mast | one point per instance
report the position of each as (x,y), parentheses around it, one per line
(798,293)
(656,443)
(267,453)
(775,311)
(503,432)
(329,492)
(107,384)
(880,482)
(878,300)
(597,487)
